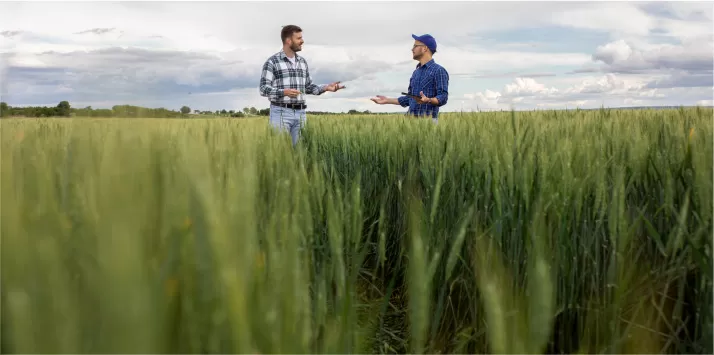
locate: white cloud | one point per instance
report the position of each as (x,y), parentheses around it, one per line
(615,17)
(527,87)
(460,60)
(589,92)
(610,83)
(694,54)
(487,100)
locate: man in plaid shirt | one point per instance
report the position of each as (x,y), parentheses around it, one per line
(428,86)
(285,80)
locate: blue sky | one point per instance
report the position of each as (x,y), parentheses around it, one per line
(499,55)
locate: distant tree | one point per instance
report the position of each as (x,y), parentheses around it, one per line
(253,111)
(196,112)
(4,109)
(246,110)
(223,112)
(63,108)
(185,110)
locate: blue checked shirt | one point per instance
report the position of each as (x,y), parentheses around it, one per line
(433,80)
(280,73)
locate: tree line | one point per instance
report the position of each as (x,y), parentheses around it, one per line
(64,109)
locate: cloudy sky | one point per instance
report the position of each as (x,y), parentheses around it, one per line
(502,54)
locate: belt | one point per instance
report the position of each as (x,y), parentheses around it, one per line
(290,106)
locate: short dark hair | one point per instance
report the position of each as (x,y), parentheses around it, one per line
(288,31)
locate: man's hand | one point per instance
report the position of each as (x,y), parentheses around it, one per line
(291,92)
(380,100)
(334,87)
(423,99)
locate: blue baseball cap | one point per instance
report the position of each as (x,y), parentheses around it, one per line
(428,40)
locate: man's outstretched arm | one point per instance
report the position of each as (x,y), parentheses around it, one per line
(383,100)
(310,87)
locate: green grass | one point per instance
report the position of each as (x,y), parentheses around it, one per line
(532,232)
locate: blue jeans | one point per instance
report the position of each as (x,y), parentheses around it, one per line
(288,120)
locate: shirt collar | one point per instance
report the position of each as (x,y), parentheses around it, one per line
(427,64)
(285,56)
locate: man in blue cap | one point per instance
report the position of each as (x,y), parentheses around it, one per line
(429,83)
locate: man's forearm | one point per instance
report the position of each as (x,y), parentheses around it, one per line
(315,89)
(268,90)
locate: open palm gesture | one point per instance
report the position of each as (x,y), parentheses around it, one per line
(334,87)
(379,99)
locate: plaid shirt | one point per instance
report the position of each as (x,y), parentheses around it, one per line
(280,73)
(433,80)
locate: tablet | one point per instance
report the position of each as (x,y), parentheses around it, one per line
(410,95)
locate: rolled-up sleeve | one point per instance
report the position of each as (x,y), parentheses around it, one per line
(442,86)
(404,100)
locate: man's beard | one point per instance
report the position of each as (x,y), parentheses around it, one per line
(295,48)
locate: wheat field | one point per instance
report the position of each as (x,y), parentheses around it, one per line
(580,231)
